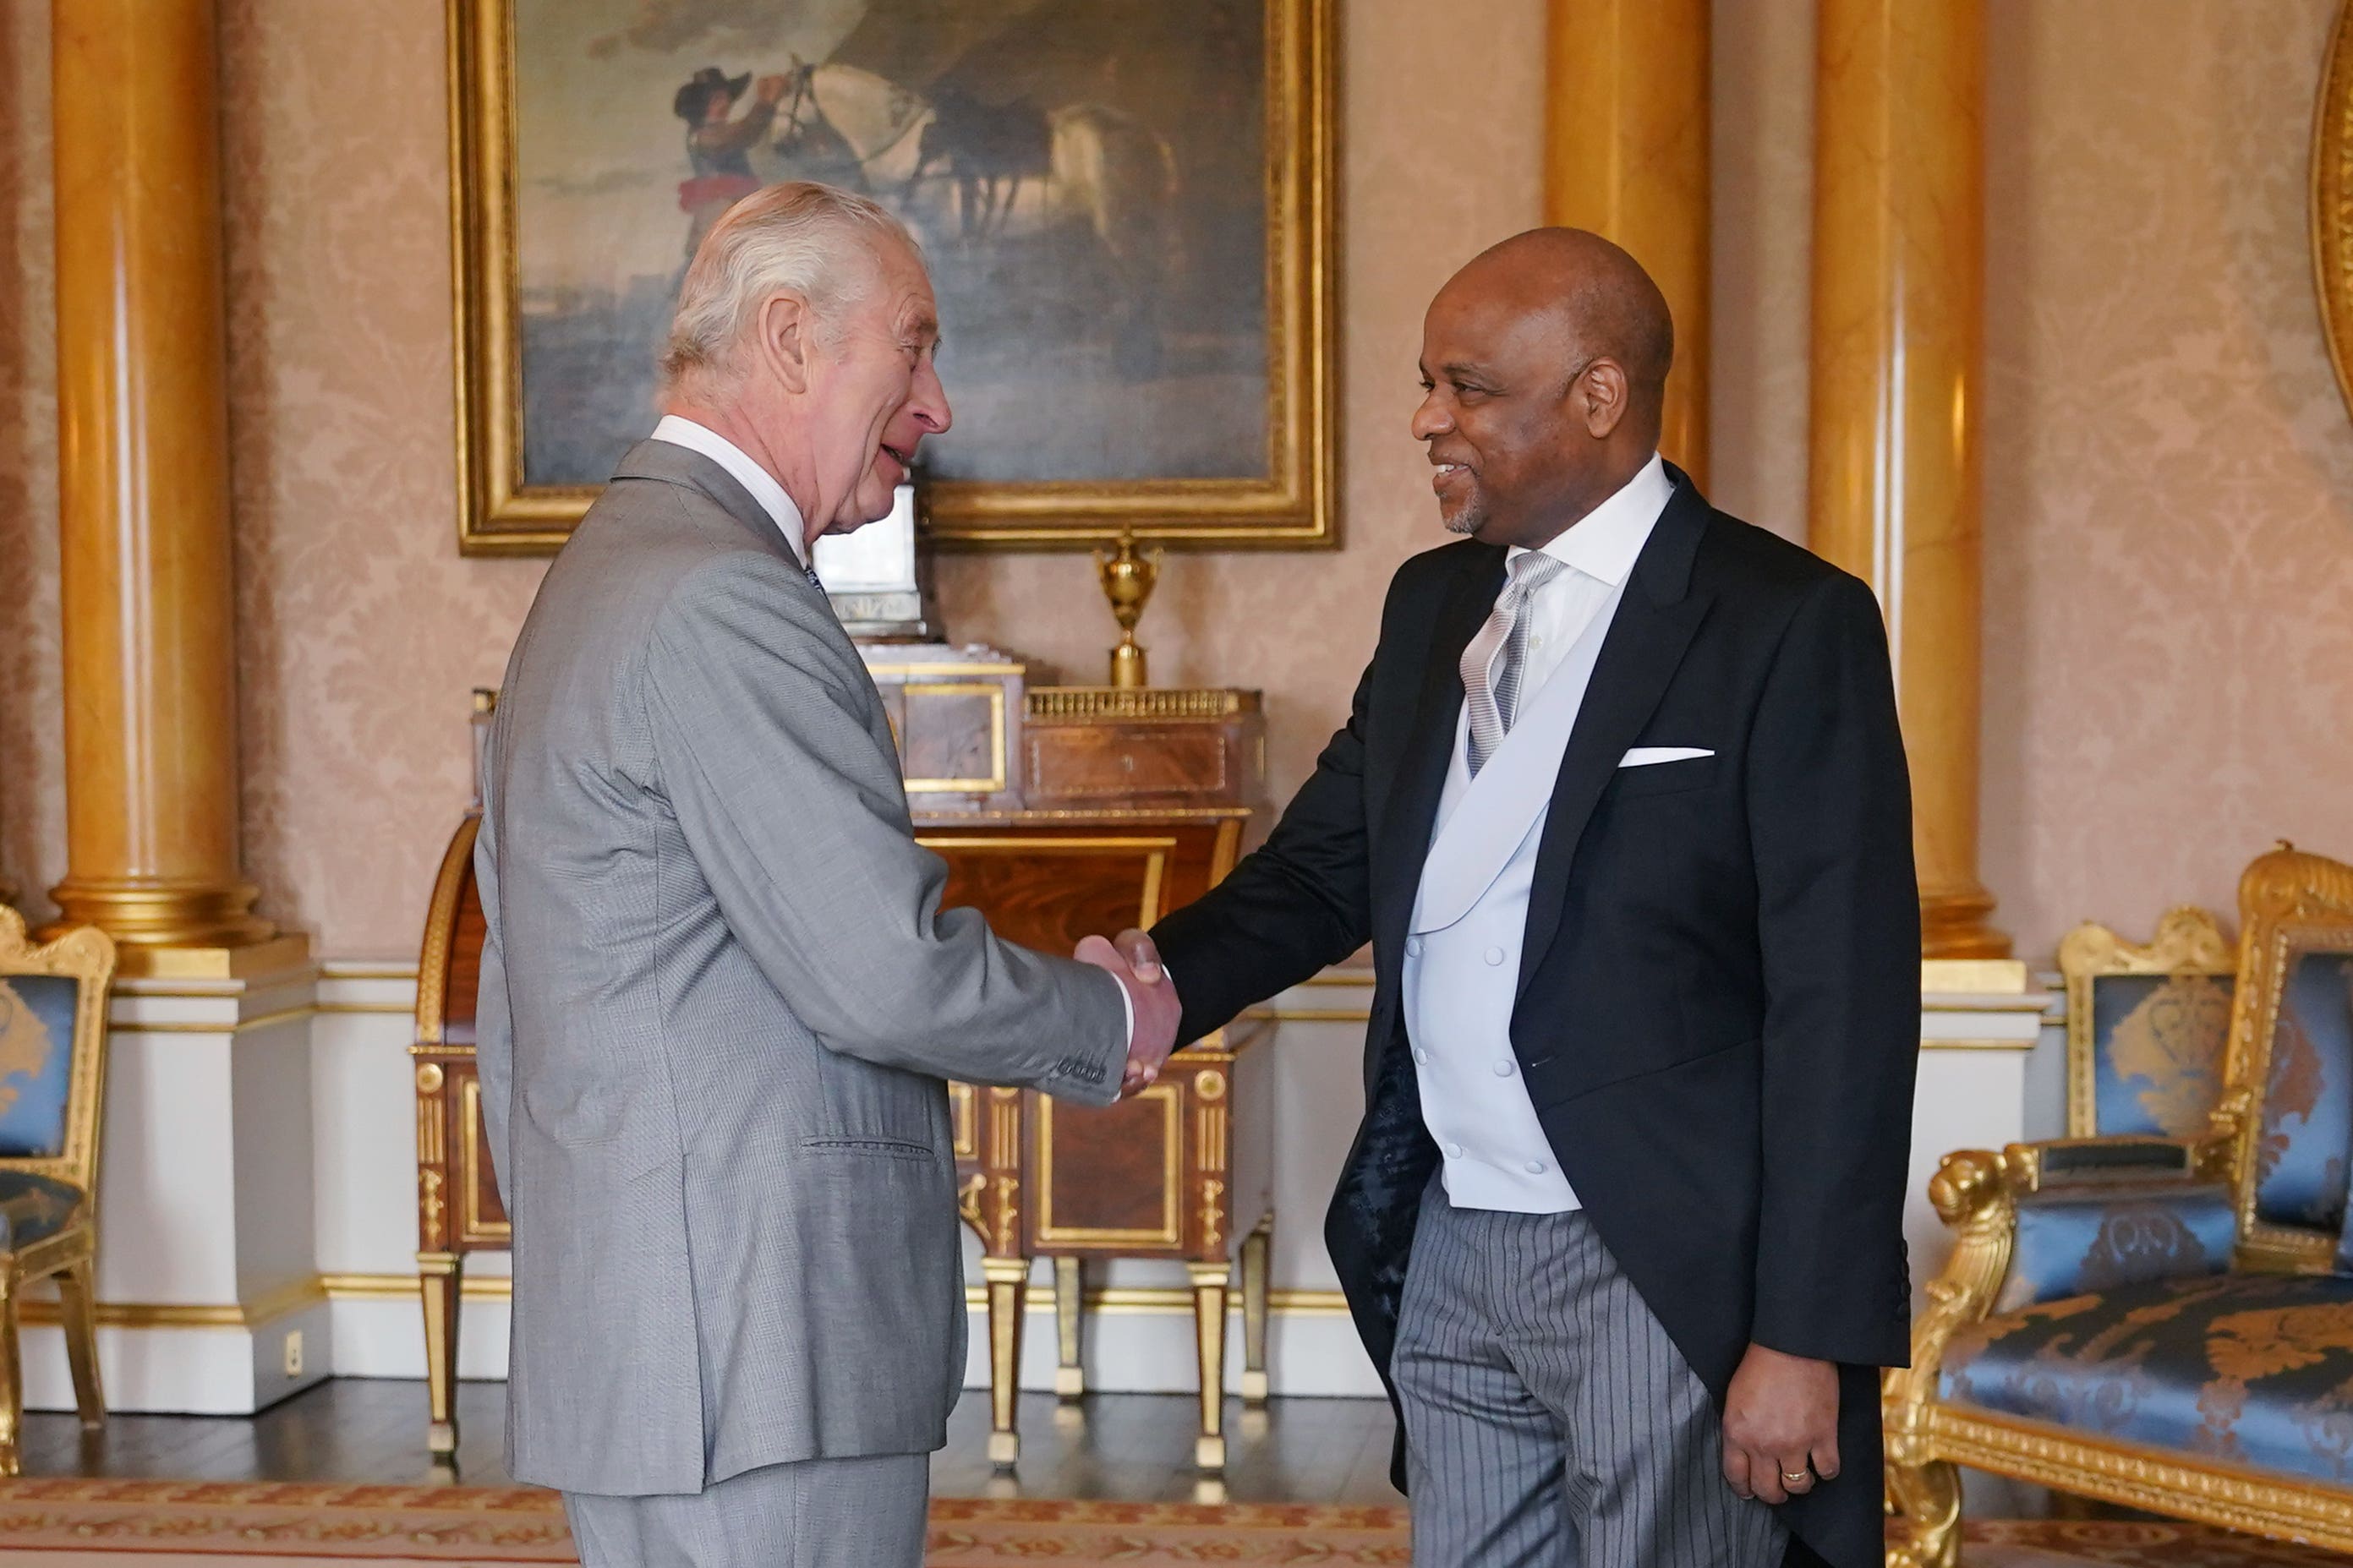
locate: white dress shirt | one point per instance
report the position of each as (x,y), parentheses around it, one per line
(679,431)
(1462,957)
(683,432)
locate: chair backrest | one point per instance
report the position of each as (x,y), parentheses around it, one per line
(53,1050)
(2148,1027)
(2290,1103)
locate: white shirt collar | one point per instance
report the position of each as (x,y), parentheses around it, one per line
(694,437)
(1604,542)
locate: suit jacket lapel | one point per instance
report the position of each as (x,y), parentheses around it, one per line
(1405,828)
(1656,617)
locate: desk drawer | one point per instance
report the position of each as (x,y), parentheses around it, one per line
(1118,761)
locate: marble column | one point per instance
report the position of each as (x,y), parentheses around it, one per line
(1898,306)
(1625,129)
(143,427)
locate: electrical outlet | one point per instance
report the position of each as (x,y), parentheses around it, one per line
(294,1352)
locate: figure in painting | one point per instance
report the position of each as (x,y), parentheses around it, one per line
(717,147)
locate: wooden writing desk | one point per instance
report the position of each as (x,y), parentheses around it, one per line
(1062,811)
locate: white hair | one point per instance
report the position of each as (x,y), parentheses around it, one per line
(798,238)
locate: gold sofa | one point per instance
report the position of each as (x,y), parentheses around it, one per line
(2164,1323)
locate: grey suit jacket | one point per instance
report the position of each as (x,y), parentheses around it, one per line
(718,1001)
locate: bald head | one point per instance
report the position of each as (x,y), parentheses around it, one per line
(1605,303)
(1546,362)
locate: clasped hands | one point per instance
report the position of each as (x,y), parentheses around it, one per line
(1131,959)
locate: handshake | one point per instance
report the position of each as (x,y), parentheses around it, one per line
(1134,963)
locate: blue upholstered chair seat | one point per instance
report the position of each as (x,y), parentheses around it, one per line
(2252,1370)
(33,1208)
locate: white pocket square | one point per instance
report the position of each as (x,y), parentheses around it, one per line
(1649,756)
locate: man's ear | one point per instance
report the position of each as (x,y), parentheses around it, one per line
(1600,398)
(781,339)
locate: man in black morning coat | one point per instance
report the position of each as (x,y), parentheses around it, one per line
(1621,1228)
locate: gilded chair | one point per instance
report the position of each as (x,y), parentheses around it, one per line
(2147,1028)
(52,1086)
(2162,1322)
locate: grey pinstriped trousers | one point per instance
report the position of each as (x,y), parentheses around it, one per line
(1549,1421)
(819,1513)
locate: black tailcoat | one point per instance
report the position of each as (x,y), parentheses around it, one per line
(1718,1009)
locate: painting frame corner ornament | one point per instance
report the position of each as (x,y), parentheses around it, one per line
(1130,216)
(2332,199)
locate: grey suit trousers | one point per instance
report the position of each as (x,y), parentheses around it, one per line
(863,1512)
(1549,1421)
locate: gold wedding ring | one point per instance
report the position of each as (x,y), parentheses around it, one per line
(1795,1475)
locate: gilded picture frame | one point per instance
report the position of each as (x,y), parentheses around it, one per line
(2332,201)
(512,503)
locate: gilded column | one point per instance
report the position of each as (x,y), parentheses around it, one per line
(143,426)
(1898,306)
(1625,129)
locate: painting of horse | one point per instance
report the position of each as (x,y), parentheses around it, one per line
(1123,202)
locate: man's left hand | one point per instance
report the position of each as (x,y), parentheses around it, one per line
(1781,1424)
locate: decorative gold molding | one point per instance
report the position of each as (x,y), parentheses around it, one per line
(1311,1015)
(993,783)
(441,929)
(1094,702)
(240,1026)
(359,969)
(1171,1232)
(274,955)
(259,1311)
(2332,201)
(2211,1494)
(404,1287)
(1973,976)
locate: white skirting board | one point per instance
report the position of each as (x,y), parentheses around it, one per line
(237,1108)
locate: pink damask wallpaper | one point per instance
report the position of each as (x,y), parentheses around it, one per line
(2169,466)
(2169,471)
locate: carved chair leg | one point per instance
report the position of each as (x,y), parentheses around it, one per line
(1070,1304)
(78,1316)
(1927,1530)
(1255,1248)
(441,1276)
(1008,1290)
(12,1383)
(1210,1281)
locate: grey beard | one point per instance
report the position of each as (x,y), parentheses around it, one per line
(1468,521)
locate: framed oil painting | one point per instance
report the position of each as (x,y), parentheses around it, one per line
(1127,206)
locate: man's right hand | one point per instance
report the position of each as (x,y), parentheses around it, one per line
(1149,992)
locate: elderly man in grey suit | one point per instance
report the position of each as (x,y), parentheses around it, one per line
(719,995)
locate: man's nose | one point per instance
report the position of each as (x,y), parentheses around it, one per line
(930,403)
(1432,419)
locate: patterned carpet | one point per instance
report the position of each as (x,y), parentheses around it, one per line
(62,1522)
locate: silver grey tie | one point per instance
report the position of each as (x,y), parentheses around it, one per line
(1491,685)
